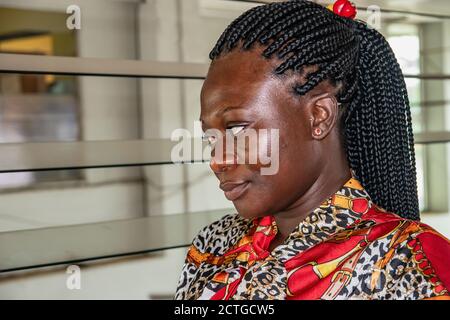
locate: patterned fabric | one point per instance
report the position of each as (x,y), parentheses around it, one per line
(347,248)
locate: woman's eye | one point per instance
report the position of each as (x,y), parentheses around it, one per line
(210,139)
(235,130)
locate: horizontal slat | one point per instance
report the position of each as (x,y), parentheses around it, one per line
(18,157)
(432,137)
(71,244)
(428,76)
(26,63)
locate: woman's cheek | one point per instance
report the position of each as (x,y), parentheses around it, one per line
(259,150)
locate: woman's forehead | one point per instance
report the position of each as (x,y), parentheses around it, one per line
(247,69)
(242,98)
(223,87)
(238,68)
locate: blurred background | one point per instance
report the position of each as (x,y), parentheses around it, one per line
(86,116)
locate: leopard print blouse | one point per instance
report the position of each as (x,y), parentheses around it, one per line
(347,248)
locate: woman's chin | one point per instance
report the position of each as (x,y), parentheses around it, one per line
(247,210)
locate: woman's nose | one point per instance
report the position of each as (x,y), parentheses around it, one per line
(222,162)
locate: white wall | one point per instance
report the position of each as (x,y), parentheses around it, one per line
(436,45)
(123,109)
(141,277)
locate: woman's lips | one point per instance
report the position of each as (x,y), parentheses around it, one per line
(233,190)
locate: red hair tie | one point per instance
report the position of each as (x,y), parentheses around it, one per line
(343,8)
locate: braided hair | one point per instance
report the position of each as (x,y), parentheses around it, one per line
(376,119)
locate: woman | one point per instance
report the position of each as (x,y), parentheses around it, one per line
(339,219)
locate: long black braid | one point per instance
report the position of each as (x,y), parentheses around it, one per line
(376,118)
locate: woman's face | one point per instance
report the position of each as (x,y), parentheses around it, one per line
(240,93)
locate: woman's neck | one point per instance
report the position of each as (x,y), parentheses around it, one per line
(334,174)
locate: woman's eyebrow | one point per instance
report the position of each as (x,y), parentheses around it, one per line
(222,111)
(226,109)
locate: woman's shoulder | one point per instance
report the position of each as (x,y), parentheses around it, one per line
(221,234)
(428,248)
(212,240)
(413,228)
(431,251)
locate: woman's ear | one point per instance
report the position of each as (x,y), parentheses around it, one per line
(323,115)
